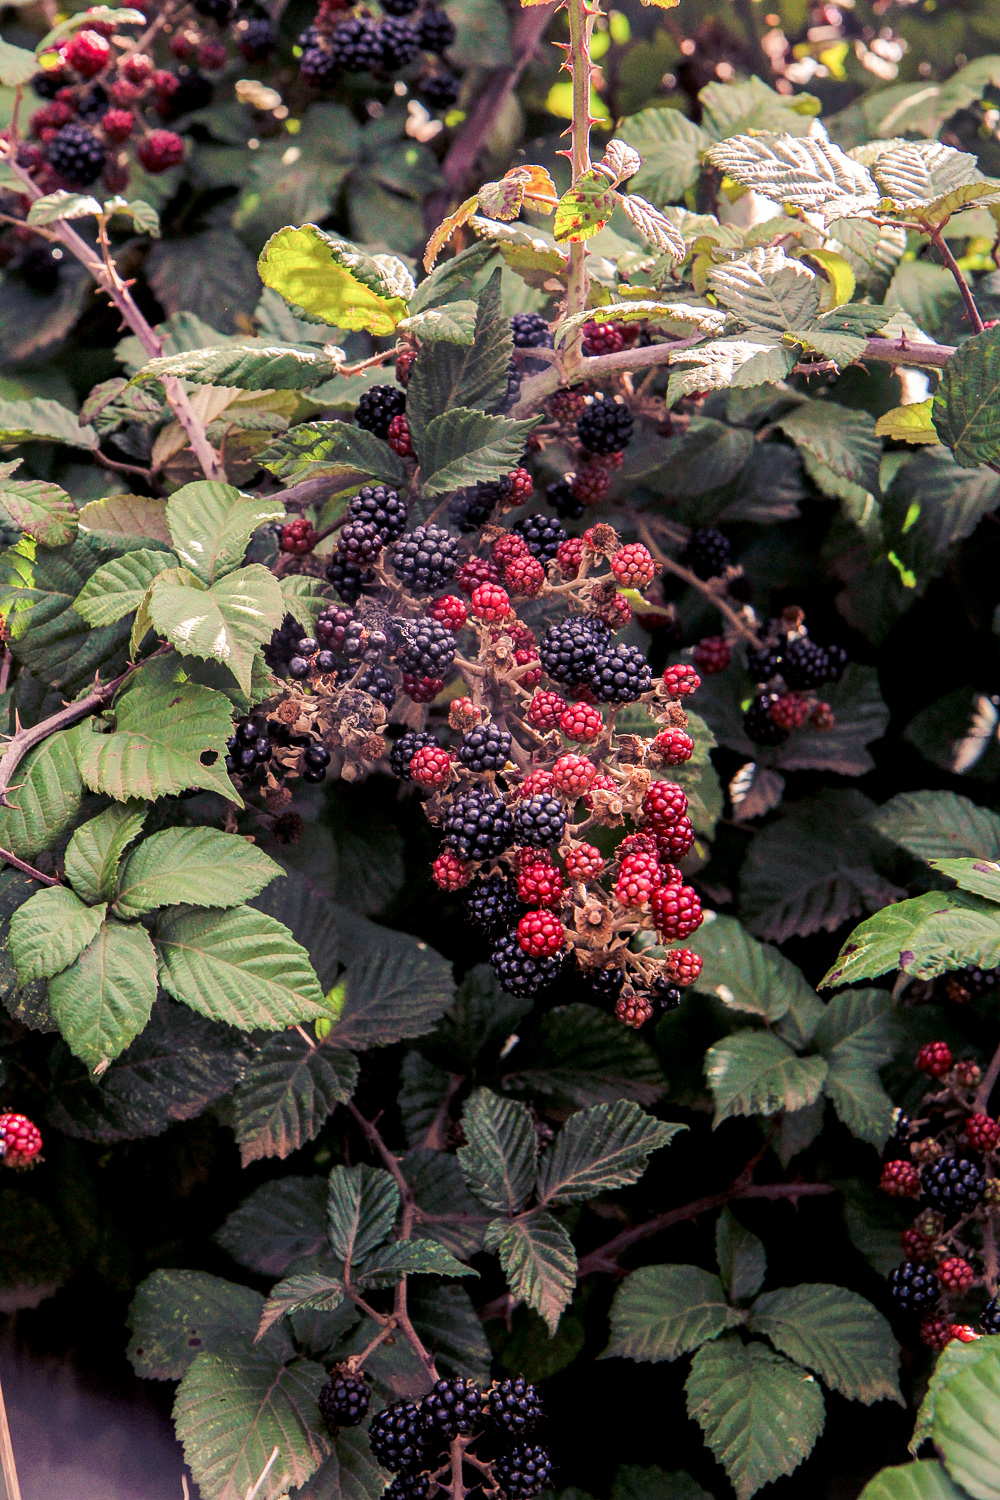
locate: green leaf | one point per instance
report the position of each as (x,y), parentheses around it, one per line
(482,1018)
(923,1480)
(40,509)
(738,108)
(255,367)
(756,1073)
(633,1482)
(448,1211)
(312,920)
(211,525)
(841,453)
(319,449)
(192,866)
(498,1159)
(450,375)
(305,598)
(861,717)
(62,205)
(391,1263)
(225,623)
(661,1312)
(803,172)
(287,1093)
(952,1360)
(455,323)
(47,635)
(279,1223)
(448,1323)
(238,966)
(761,1414)
(599,1149)
(397,986)
(17,65)
(462,446)
(538,1260)
(350,1472)
(975,875)
(95,850)
(580,1055)
(47,799)
(858,1035)
(585,208)
(750,976)
(361,1209)
(741,1257)
(670,147)
(175,1315)
(912,173)
(313,1290)
(163,729)
(50,930)
(967,400)
(119,519)
(836,1334)
(234,1406)
(932,825)
(924,936)
(965,1427)
(119,587)
(331,279)
(104,999)
(176,1068)
(44,421)
(768,292)
(908,424)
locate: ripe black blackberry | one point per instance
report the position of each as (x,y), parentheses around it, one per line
(76,154)
(562,500)
(400,7)
(382,506)
(539,821)
(257,39)
(491,902)
(343,1401)
(376,682)
(530,331)
(380,403)
(518,972)
(405,748)
(570,647)
(478,825)
(472,508)
(989,1318)
(543,535)
(914,1286)
(317,65)
(331,626)
(425,558)
(347,578)
(524,1471)
(666,995)
(806,664)
(620,675)
(356,47)
(513,384)
(954,1184)
(604,426)
(249,747)
(765,663)
(400,42)
(514,1405)
(485,749)
(359,542)
(707,552)
(435,31)
(438,90)
(601,984)
(315,761)
(408,1487)
(47,85)
(758,724)
(397,1437)
(451,1407)
(305,649)
(428,649)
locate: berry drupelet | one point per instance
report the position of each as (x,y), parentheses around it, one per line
(989,1318)
(343,1401)
(604,426)
(380,403)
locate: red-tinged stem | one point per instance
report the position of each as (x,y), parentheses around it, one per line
(19,864)
(971,310)
(582,16)
(985,1089)
(735,619)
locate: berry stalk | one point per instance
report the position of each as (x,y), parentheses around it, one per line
(581,29)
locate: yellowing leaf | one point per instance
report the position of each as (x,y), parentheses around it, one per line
(585,208)
(331,279)
(909,424)
(840,279)
(446,229)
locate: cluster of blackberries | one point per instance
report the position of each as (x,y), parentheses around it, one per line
(252,746)
(336,43)
(376,515)
(408,1438)
(604,426)
(579,652)
(528,331)
(801,662)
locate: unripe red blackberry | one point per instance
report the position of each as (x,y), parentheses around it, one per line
(540,883)
(674,746)
(936,1333)
(521,487)
(916,1246)
(523,657)
(449,611)
(545,710)
(421,689)
(591,483)
(540,933)
(934,1058)
(955,1274)
(398,436)
(982,1132)
(638,878)
(117,124)
(431,766)
(524,576)
(88,53)
(489,602)
(405,360)
(680,681)
(634,1010)
(20,1140)
(900,1179)
(159,150)
(790,710)
(506,547)
(581,721)
(677,841)
(676,910)
(712,655)
(633,566)
(602,338)
(299,536)
(602,784)
(569,555)
(663,805)
(583,862)
(254,44)
(474,571)
(449,872)
(343,1401)
(536,783)
(681,965)
(573,775)
(137,67)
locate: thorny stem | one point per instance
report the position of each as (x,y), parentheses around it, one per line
(356,1361)
(109,281)
(972,311)
(582,16)
(11,859)
(985,1089)
(458,1447)
(703,587)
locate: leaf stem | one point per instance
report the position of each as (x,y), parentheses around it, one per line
(24,740)
(972,311)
